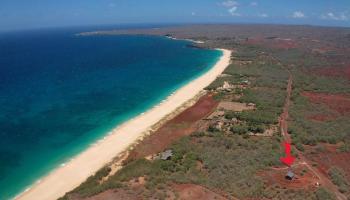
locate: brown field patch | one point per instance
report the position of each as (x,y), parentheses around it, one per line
(254,40)
(284,44)
(235,106)
(182,125)
(174,191)
(202,108)
(321,117)
(337,102)
(118,194)
(333,71)
(192,192)
(277,43)
(329,157)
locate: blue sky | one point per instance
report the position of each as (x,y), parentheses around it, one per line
(24,14)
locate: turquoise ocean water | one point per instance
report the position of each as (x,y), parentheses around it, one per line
(60,93)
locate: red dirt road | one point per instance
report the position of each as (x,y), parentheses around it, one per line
(284,116)
(323,179)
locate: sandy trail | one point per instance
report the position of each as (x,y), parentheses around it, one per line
(66,178)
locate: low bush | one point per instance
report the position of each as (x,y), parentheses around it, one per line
(338,178)
(239,129)
(323,194)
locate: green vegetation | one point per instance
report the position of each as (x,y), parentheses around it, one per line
(303,81)
(218,82)
(304,130)
(247,53)
(307,131)
(254,117)
(323,194)
(227,162)
(265,98)
(244,128)
(345,147)
(240,129)
(264,84)
(298,57)
(278,192)
(338,178)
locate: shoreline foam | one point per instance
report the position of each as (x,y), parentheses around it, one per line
(65,178)
(190,40)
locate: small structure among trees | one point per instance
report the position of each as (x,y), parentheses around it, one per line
(290,175)
(166,155)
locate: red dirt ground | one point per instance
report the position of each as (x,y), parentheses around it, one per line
(191,191)
(119,194)
(181,125)
(285,114)
(337,102)
(254,40)
(276,176)
(330,158)
(284,44)
(323,49)
(275,43)
(176,191)
(333,71)
(321,117)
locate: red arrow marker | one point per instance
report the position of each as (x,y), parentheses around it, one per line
(289,159)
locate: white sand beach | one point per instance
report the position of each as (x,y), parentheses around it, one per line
(68,176)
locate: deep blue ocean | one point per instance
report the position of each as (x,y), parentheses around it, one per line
(60,93)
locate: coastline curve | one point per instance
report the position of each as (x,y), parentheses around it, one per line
(71,174)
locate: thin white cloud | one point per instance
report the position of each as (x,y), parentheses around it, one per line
(263,15)
(298,14)
(230,3)
(232,7)
(233,11)
(193,13)
(253,3)
(333,16)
